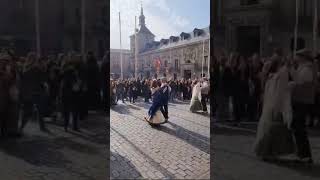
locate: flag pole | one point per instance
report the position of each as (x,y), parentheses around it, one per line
(315,27)
(296,29)
(83,21)
(37,28)
(121,60)
(136,48)
(170,58)
(202,59)
(209,57)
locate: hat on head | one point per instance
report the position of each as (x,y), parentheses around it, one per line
(306,53)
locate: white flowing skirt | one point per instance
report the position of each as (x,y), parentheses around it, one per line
(157,118)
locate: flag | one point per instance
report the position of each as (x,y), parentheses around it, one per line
(157,63)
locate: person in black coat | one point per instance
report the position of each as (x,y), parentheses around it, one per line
(32,91)
(70,96)
(131,92)
(93,82)
(104,76)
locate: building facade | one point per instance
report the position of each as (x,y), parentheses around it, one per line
(115,62)
(60,25)
(259,26)
(182,56)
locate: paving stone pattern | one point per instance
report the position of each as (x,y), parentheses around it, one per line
(175,150)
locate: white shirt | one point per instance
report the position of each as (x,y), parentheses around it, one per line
(304,74)
(165,84)
(205,88)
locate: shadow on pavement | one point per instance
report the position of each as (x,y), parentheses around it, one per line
(45,152)
(122,109)
(97,138)
(149,159)
(143,105)
(180,102)
(122,168)
(133,107)
(203,114)
(306,170)
(91,130)
(231,132)
(197,140)
(38,153)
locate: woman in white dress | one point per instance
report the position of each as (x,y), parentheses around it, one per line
(195,104)
(274,137)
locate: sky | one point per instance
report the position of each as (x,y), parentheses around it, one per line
(164,18)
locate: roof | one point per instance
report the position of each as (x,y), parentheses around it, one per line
(192,39)
(119,50)
(145,30)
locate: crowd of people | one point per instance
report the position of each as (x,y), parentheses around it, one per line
(131,89)
(35,88)
(161,91)
(279,92)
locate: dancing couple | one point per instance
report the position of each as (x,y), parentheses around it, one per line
(282,125)
(160,97)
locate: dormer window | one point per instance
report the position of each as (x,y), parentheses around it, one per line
(197,32)
(184,36)
(164,41)
(174,39)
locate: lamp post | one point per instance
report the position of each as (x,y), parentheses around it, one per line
(37,28)
(83,26)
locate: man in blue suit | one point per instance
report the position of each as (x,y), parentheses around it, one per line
(165,94)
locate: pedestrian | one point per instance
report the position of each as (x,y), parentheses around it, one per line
(165,92)
(303,94)
(32,90)
(204,94)
(93,82)
(195,103)
(4,93)
(274,137)
(70,95)
(104,74)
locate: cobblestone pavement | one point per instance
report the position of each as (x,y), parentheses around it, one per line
(56,155)
(175,150)
(235,159)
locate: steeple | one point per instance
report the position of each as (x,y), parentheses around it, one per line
(142,18)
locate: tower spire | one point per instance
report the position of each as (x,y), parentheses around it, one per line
(141,18)
(141,8)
